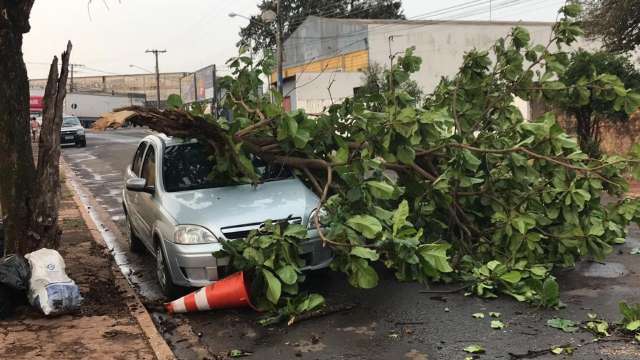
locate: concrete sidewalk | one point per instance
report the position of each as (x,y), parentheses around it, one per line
(105,327)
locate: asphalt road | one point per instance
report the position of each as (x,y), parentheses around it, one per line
(392,321)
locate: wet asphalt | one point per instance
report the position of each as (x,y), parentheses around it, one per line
(392,321)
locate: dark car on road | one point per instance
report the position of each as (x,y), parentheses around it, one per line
(72,132)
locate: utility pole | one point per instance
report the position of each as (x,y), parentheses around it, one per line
(72,69)
(156,52)
(279,44)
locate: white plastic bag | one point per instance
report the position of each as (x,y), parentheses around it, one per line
(50,289)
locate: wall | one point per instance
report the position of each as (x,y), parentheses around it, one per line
(443,45)
(123,84)
(313,93)
(320,38)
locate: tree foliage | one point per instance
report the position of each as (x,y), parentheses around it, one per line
(589,102)
(459,189)
(376,80)
(617,22)
(263,35)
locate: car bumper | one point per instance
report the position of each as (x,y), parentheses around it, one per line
(71,138)
(196,266)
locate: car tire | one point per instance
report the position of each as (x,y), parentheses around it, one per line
(82,143)
(169,289)
(134,242)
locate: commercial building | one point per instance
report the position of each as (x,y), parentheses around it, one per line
(325,57)
(122,84)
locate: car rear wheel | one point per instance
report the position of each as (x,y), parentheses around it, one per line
(135,244)
(169,289)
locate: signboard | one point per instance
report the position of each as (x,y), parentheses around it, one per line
(188,89)
(36,103)
(204,83)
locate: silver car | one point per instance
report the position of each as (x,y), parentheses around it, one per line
(180,214)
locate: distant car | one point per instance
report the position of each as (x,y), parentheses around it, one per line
(72,132)
(180,214)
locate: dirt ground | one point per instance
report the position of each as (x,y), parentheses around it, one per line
(102,329)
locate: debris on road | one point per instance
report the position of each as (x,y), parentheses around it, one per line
(50,289)
(14,281)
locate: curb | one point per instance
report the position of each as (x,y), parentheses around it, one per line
(158,345)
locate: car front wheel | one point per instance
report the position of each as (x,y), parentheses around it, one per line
(169,289)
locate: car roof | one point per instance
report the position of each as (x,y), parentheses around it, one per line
(169,140)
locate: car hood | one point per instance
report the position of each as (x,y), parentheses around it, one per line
(241,205)
(71,128)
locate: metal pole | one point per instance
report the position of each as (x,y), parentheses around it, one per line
(156,53)
(279,44)
(195,87)
(214,102)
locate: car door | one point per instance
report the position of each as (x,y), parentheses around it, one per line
(146,203)
(131,197)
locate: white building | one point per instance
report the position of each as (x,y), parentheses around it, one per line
(325,57)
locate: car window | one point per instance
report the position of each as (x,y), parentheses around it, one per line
(137,158)
(190,166)
(70,121)
(149,167)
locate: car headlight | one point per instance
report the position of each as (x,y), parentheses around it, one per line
(80,132)
(192,235)
(312,221)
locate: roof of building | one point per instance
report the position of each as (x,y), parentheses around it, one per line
(429,22)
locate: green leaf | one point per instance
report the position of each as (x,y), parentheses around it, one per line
(471,162)
(633,326)
(474,349)
(380,189)
(550,293)
(495,314)
(288,274)
(400,216)
(406,154)
(557,350)
(512,277)
(436,256)
(253,255)
(520,37)
(497,324)
(295,230)
(367,225)
(563,324)
(365,253)
(478,315)
(315,301)
(174,101)
(274,287)
(364,276)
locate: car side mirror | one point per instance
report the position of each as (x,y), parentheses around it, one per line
(139,185)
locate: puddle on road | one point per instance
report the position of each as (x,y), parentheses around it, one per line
(608,270)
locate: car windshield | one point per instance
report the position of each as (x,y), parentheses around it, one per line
(190,166)
(70,121)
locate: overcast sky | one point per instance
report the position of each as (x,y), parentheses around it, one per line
(196,33)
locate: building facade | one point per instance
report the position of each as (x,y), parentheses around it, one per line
(325,57)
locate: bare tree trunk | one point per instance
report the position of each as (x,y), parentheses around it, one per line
(17,170)
(45,211)
(29,196)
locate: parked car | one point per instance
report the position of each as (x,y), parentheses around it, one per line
(72,132)
(175,210)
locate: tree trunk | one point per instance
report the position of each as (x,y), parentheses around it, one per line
(44,220)
(29,196)
(17,170)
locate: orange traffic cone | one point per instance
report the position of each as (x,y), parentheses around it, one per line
(230,292)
